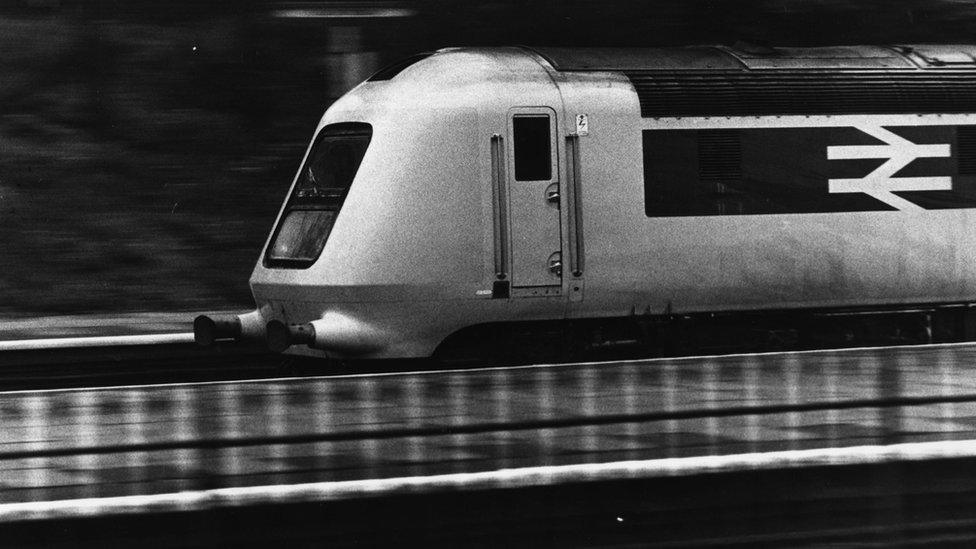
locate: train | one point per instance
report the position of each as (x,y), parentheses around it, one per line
(533,203)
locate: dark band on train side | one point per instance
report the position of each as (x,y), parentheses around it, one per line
(747,171)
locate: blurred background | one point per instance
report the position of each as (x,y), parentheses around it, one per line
(145,147)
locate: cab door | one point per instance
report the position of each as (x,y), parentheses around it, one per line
(534,197)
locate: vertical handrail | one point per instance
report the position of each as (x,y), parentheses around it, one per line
(575,218)
(499,206)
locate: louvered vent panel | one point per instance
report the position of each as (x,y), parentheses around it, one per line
(670,94)
(967,150)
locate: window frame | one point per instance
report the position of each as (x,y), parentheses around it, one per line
(534,112)
(356,129)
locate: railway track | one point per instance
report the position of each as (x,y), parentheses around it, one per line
(338,428)
(858,446)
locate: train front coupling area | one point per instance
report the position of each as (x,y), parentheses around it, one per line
(333,332)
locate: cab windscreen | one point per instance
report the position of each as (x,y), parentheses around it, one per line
(318,195)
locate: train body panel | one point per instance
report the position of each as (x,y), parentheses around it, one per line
(776,261)
(493,186)
(821,259)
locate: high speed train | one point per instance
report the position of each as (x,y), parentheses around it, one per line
(488,202)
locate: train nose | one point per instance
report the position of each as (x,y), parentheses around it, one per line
(208,330)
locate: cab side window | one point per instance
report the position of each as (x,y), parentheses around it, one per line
(532,150)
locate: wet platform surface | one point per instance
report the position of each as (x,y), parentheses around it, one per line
(82,443)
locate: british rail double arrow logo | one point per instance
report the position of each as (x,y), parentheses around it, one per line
(881,183)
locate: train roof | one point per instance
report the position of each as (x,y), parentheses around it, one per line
(749,57)
(748,80)
(690,81)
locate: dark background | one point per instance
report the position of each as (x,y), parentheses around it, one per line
(145,147)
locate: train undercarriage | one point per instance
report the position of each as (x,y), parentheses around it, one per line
(647,336)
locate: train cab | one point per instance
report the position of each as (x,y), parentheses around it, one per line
(475,194)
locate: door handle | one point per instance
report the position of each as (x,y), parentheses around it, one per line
(499,206)
(552,195)
(574,203)
(556,264)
